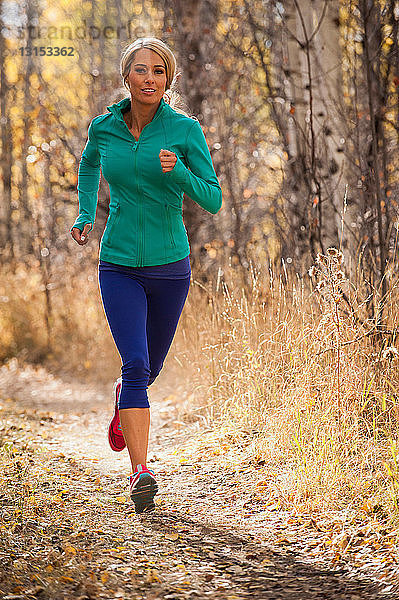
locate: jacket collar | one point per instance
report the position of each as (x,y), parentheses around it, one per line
(119,107)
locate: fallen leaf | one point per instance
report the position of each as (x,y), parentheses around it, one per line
(152,576)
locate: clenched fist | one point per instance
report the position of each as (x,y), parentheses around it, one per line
(168,160)
(81,238)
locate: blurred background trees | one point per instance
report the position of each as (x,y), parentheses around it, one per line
(298,101)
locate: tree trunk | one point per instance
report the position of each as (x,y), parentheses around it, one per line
(7,251)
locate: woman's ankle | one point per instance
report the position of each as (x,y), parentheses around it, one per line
(135,465)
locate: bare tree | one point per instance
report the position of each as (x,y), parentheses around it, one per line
(192,25)
(7,251)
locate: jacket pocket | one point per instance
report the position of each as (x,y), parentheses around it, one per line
(113,223)
(169,225)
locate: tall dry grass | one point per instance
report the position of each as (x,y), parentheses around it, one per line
(291,370)
(54,317)
(294,372)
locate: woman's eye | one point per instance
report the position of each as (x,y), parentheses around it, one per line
(158,71)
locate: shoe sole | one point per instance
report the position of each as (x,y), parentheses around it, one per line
(111,442)
(111,433)
(143,493)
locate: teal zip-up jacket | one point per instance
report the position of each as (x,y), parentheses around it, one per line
(145,222)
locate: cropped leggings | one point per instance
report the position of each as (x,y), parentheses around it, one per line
(142,311)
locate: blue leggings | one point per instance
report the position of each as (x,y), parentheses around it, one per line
(142,311)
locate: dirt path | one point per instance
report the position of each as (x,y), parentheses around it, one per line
(212,534)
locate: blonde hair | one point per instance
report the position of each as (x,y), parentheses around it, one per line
(171,96)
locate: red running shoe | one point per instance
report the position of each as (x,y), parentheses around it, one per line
(143,487)
(115,435)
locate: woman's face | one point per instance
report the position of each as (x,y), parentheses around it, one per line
(147,71)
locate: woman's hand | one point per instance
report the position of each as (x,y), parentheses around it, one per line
(168,160)
(81,238)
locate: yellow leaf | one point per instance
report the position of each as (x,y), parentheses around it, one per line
(120,498)
(366,506)
(70,549)
(172,536)
(104,577)
(152,575)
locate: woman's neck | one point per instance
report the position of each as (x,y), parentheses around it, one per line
(139,115)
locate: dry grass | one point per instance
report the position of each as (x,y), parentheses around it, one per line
(56,320)
(291,372)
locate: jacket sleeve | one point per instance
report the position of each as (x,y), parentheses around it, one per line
(88,181)
(199,182)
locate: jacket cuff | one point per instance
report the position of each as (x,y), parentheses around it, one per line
(179,173)
(79,224)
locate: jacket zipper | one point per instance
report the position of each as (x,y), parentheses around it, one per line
(141,234)
(114,223)
(172,241)
(141,243)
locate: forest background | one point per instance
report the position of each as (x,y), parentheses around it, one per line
(289,330)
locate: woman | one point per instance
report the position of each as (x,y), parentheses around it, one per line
(150,154)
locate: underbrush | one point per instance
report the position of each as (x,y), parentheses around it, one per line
(55,318)
(291,369)
(295,372)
